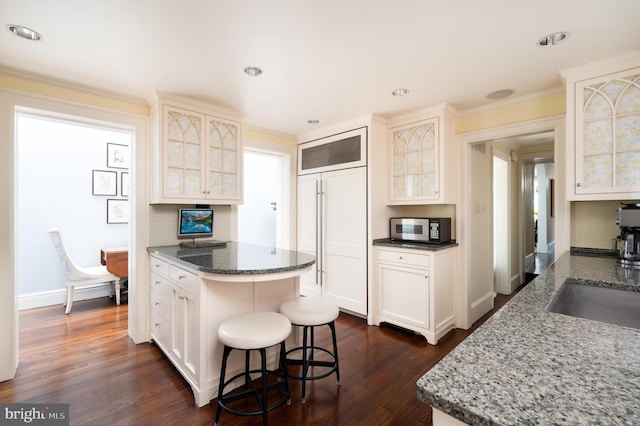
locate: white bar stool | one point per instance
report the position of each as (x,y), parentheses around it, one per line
(311,312)
(248,332)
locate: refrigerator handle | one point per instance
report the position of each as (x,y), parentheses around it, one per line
(317,232)
(319,229)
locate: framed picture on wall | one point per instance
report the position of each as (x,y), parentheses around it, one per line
(117,211)
(117,156)
(104,183)
(124,184)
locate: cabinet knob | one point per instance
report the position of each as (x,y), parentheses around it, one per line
(157,282)
(578,184)
(157,303)
(182,277)
(157,265)
(399,257)
(157,324)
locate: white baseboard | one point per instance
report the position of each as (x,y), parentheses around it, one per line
(57,297)
(481,306)
(515,282)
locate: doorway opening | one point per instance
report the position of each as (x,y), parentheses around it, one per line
(502,195)
(539,218)
(264,217)
(66,181)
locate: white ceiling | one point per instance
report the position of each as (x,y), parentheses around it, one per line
(331,60)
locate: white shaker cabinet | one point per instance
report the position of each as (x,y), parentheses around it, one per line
(174,315)
(197,152)
(422,153)
(414,289)
(603,131)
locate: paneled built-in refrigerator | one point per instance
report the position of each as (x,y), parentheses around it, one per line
(332,219)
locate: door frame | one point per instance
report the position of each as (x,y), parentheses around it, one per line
(468,310)
(10,102)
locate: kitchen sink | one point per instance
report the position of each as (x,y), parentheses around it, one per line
(610,305)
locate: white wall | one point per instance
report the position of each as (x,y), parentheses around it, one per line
(55,160)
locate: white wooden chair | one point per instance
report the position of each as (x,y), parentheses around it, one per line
(76,276)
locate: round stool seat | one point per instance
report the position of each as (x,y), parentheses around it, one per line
(310,311)
(254,330)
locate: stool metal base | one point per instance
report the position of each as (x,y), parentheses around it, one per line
(260,393)
(308,359)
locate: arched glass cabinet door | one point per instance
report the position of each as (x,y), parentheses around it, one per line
(414,152)
(608,143)
(223,152)
(183,174)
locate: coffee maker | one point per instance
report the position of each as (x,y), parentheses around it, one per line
(628,243)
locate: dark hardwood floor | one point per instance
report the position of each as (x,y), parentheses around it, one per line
(87,360)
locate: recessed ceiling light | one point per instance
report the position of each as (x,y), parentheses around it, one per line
(313,121)
(400,92)
(24,32)
(253,71)
(552,39)
(499,94)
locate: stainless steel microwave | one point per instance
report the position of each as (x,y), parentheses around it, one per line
(434,230)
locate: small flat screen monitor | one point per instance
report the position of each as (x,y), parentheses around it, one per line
(195,223)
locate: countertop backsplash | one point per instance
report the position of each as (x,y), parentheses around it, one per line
(163,224)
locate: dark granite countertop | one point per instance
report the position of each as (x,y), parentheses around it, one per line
(388,242)
(234,258)
(594,252)
(528,366)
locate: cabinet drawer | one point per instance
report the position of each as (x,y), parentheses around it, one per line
(185,279)
(404,258)
(159,266)
(160,304)
(160,286)
(159,330)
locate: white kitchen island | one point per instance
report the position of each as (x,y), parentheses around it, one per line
(194,290)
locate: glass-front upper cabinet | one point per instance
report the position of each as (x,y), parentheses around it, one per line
(184,159)
(603,129)
(197,153)
(222,142)
(608,134)
(415,169)
(423,157)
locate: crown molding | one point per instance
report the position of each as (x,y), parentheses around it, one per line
(513,101)
(269,132)
(67,85)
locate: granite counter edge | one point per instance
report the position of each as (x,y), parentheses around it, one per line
(227,271)
(388,242)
